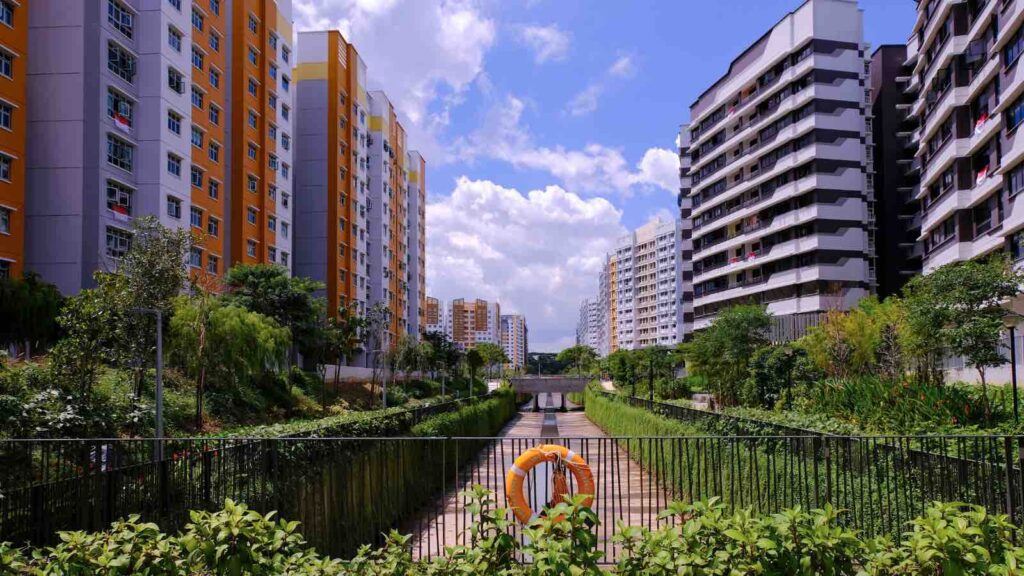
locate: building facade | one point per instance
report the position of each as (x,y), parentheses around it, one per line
(473,322)
(514,341)
(416,243)
(646,288)
(589,324)
(183,113)
(435,318)
(14,47)
(780,166)
(963,69)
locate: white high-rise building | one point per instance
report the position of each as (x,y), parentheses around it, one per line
(514,340)
(780,173)
(588,327)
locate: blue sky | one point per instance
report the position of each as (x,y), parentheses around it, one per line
(549,125)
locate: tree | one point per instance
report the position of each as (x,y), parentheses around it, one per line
(721,353)
(290,300)
(582,357)
(28,312)
(375,337)
(343,337)
(231,345)
(474,360)
(621,365)
(960,306)
(492,354)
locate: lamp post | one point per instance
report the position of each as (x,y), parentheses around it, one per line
(159,377)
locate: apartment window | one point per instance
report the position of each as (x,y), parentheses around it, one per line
(175,80)
(284,199)
(7,12)
(286,142)
(197,58)
(250,215)
(214,152)
(174,38)
(251,183)
(197,137)
(214,78)
(252,56)
(272,253)
(119,198)
(250,247)
(284,229)
(1017,245)
(173,207)
(214,41)
(284,258)
(252,151)
(174,122)
(211,263)
(119,109)
(272,192)
(213,226)
(285,168)
(119,61)
(197,20)
(213,189)
(119,153)
(197,177)
(175,4)
(214,114)
(273,41)
(197,98)
(252,86)
(5,221)
(253,24)
(285,111)
(119,16)
(272,223)
(195,257)
(272,101)
(119,242)
(1013,50)
(174,165)
(285,82)
(215,6)
(272,162)
(273,71)
(272,131)
(195,217)
(285,54)
(1015,114)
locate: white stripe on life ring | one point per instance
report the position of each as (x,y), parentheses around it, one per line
(518,471)
(569,456)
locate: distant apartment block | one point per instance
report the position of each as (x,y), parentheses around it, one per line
(514,340)
(416,242)
(471,322)
(646,290)
(434,317)
(590,324)
(14,46)
(780,173)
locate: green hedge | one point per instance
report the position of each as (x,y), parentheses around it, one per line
(486,418)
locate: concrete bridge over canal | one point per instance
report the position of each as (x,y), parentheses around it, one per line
(555,386)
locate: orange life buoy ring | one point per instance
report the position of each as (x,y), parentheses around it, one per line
(531,458)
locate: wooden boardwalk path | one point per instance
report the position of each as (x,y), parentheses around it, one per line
(623,490)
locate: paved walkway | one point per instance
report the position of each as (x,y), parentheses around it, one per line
(624,491)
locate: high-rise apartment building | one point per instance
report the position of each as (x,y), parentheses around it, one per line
(646,288)
(434,316)
(179,109)
(589,325)
(472,322)
(14,18)
(962,65)
(416,244)
(780,176)
(331,178)
(605,341)
(514,340)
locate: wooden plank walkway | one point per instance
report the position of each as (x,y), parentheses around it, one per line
(623,490)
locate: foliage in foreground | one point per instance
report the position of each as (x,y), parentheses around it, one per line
(697,539)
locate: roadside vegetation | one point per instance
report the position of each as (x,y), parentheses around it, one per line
(702,539)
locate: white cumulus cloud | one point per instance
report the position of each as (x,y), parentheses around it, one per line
(585,101)
(548,43)
(496,243)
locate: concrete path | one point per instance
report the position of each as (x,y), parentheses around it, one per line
(623,490)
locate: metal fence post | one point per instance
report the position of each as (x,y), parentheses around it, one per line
(828,468)
(1008,468)
(207,478)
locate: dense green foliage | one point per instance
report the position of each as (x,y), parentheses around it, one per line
(721,354)
(28,313)
(702,539)
(485,418)
(580,358)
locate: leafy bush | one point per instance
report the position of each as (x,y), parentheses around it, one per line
(672,388)
(775,371)
(485,418)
